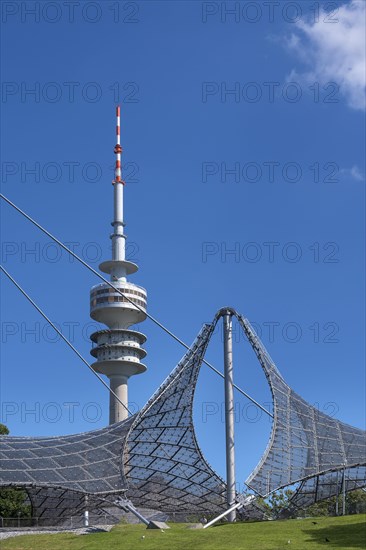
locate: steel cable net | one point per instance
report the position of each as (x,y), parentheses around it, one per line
(328,485)
(59,473)
(57,505)
(87,462)
(163,464)
(306,444)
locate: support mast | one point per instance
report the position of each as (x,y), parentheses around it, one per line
(229,415)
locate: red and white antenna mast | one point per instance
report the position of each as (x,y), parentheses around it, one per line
(118,148)
(118,237)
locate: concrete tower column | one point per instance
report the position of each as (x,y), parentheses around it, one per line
(117,412)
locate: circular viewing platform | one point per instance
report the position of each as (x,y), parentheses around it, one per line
(108,306)
(118,352)
(110,265)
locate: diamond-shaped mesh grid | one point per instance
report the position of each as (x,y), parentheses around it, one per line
(304,441)
(328,485)
(87,462)
(163,464)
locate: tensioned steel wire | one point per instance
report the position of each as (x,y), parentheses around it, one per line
(110,284)
(62,336)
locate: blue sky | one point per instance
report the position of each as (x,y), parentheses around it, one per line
(291,130)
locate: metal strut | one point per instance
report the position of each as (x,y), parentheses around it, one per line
(127,506)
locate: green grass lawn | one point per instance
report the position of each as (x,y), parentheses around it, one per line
(347,532)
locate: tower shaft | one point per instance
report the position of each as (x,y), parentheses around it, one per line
(120,387)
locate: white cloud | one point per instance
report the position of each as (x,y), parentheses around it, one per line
(334,52)
(354,173)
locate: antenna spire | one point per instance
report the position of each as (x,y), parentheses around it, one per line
(118,237)
(118,149)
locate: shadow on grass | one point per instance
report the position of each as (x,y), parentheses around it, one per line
(351,535)
(247,522)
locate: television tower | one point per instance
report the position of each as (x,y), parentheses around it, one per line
(118,350)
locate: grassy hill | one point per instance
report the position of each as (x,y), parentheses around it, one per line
(347,532)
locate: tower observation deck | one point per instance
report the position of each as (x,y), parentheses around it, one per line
(117,349)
